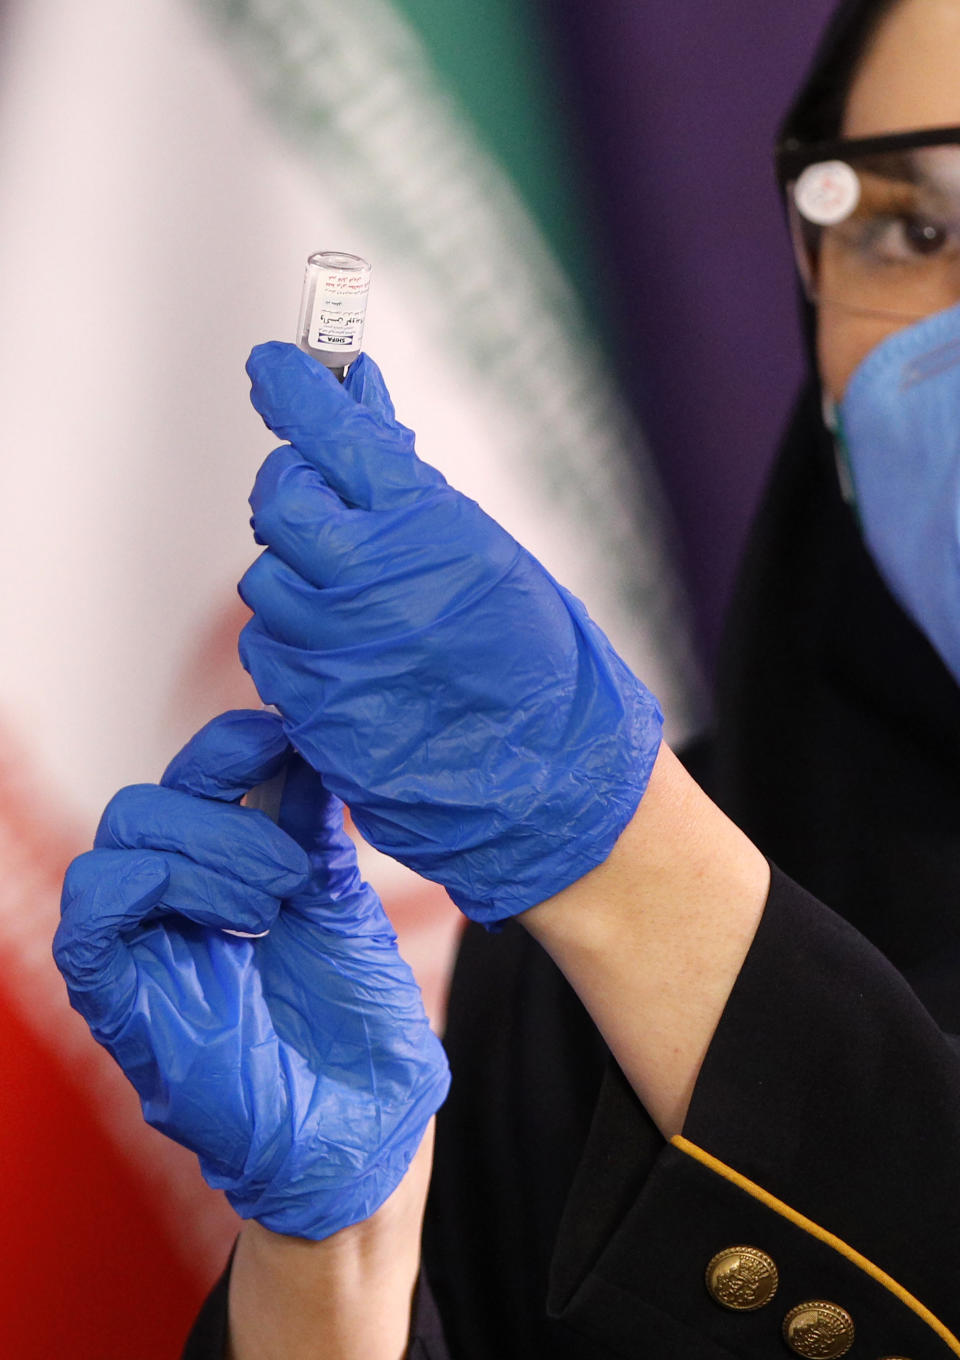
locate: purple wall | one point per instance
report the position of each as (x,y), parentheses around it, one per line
(677,103)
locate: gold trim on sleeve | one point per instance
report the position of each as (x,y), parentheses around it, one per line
(814,1229)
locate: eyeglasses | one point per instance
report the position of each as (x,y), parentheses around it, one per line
(876,221)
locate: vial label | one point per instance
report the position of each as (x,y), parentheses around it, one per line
(339,303)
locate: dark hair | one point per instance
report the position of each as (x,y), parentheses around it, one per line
(817,111)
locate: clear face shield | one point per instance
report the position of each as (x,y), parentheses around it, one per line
(876,221)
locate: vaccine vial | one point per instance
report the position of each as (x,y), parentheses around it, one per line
(332,307)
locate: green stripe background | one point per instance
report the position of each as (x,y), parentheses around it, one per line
(497,57)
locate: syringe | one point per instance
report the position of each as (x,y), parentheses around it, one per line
(333,305)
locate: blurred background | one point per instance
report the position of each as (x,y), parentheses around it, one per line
(583,301)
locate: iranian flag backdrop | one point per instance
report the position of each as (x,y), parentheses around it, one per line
(165,168)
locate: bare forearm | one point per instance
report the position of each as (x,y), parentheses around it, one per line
(653,939)
(348,1297)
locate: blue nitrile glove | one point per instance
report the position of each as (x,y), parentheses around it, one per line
(477,722)
(300,1067)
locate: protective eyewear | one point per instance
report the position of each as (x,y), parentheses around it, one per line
(876,221)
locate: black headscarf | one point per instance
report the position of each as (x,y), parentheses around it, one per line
(838,727)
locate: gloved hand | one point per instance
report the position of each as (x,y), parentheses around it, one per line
(477,722)
(300,1067)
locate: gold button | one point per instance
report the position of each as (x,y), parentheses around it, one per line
(742,1278)
(818,1330)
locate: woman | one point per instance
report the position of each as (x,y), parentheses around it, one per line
(771,1157)
(836,750)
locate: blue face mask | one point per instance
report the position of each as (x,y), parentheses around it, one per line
(899,426)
